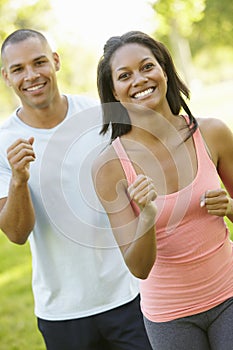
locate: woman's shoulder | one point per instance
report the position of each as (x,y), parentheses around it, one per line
(213,128)
(105,156)
(217,135)
(108,174)
(211,123)
(107,164)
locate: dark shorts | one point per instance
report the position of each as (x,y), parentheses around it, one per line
(121,328)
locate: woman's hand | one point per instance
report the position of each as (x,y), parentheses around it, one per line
(143,193)
(217,202)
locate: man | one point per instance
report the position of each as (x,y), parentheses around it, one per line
(84,296)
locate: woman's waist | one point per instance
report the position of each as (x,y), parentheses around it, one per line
(192,273)
(165,298)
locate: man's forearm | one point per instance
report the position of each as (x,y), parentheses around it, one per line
(17,217)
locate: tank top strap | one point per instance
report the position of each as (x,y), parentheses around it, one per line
(202,150)
(204,157)
(126,163)
(128,168)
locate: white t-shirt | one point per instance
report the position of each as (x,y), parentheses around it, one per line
(78,269)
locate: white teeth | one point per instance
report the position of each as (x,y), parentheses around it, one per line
(35,87)
(143,93)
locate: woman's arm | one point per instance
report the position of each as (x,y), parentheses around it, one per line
(135,234)
(219,139)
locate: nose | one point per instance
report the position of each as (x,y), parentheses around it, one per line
(139,79)
(31,74)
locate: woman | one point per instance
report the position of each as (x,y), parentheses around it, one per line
(160,184)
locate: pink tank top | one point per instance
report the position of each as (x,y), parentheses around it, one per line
(193,271)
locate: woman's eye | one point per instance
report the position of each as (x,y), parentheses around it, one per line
(123,76)
(148,66)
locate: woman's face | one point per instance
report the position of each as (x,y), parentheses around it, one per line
(138,78)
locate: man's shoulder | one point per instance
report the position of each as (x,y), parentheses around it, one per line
(10,130)
(81,102)
(8,122)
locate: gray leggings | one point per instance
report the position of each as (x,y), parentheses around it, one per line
(212,329)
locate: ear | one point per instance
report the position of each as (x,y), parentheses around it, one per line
(56,60)
(5,77)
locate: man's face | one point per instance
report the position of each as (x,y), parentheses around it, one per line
(30,67)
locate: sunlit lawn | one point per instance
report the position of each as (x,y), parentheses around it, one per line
(213,101)
(18,329)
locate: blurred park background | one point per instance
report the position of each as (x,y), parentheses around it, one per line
(199,35)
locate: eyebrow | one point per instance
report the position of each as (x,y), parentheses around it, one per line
(20,64)
(143,60)
(14,66)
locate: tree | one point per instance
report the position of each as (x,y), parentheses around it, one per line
(175,23)
(215,28)
(196,31)
(24,14)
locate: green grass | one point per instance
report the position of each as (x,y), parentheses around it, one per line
(230,225)
(18,328)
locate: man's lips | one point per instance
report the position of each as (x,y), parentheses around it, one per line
(35,87)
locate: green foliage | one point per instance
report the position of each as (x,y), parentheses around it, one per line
(197,32)
(24,14)
(203,22)
(215,28)
(15,14)
(179,13)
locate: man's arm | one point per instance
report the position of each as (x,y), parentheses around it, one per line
(17,217)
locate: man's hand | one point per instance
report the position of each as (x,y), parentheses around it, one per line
(19,155)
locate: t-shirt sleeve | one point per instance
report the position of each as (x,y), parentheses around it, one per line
(5,177)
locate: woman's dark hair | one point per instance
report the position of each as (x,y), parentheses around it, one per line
(115,114)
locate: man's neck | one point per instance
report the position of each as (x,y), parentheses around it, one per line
(44,118)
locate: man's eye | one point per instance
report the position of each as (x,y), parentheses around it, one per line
(16,70)
(38,63)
